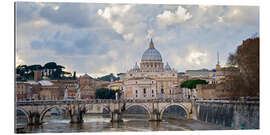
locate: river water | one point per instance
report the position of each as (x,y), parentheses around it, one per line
(101,123)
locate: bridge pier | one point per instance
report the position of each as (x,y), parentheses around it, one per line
(76,113)
(155,116)
(34,118)
(116,116)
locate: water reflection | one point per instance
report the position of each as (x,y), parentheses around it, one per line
(101,123)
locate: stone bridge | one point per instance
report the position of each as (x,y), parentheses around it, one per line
(36,110)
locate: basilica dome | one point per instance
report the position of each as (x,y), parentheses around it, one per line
(151,53)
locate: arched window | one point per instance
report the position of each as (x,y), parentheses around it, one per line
(162,91)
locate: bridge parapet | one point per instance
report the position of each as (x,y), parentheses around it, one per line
(95,101)
(228,101)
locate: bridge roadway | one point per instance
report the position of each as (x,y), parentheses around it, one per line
(36,110)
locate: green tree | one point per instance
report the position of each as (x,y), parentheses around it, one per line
(74,75)
(191,84)
(50,65)
(104,93)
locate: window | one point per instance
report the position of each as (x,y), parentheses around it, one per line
(162,91)
(136,91)
(170,92)
(152,91)
(130,74)
(144,90)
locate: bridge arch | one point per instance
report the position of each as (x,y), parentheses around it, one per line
(44,111)
(26,113)
(140,105)
(174,104)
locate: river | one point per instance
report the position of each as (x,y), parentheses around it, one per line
(101,123)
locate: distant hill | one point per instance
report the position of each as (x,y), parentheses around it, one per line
(108,78)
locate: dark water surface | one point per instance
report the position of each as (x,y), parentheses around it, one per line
(101,123)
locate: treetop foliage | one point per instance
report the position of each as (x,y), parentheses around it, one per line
(191,84)
(55,71)
(104,93)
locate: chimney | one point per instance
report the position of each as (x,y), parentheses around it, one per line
(37,75)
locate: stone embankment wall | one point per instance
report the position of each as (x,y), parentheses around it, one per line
(234,114)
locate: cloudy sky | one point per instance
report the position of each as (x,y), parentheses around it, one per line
(108,38)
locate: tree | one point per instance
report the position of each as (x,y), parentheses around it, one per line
(191,84)
(74,75)
(108,78)
(50,65)
(27,72)
(247,59)
(104,93)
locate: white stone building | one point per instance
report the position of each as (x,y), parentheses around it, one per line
(151,80)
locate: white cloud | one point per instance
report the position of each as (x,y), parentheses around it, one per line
(196,56)
(239,16)
(40,23)
(205,7)
(149,34)
(170,18)
(220,19)
(56,8)
(112,14)
(128,36)
(19,61)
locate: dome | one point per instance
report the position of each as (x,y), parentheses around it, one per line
(151,53)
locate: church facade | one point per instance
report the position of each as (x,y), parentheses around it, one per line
(151,80)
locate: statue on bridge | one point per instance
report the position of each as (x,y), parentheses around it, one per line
(78,92)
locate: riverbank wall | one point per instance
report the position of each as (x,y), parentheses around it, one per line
(234,114)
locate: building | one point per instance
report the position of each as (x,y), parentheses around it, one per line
(222,87)
(224,72)
(87,87)
(49,90)
(70,85)
(117,85)
(27,91)
(37,75)
(150,80)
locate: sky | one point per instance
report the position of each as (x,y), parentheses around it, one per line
(99,39)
